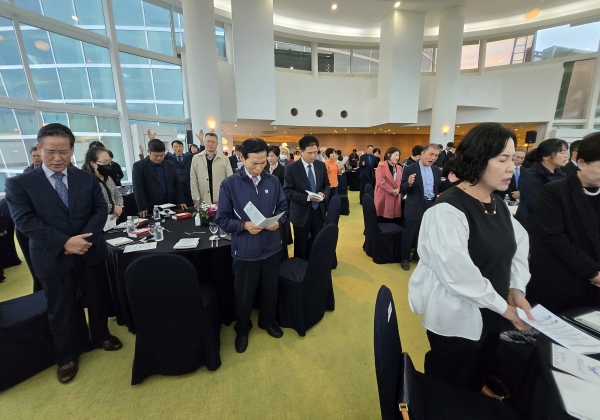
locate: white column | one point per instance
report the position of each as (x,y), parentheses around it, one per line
(254,59)
(447,75)
(202,70)
(314,59)
(399,79)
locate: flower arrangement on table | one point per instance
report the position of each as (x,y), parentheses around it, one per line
(206,211)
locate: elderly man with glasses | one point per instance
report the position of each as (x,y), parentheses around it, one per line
(155,181)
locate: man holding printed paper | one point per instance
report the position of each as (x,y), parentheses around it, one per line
(252,207)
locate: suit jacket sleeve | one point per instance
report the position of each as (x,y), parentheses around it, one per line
(27,221)
(281,206)
(226,217)
(289,185)
(228,170)
(95,225)
(405,186)
(139,192)
(194,188)
(530,189)
(325,188)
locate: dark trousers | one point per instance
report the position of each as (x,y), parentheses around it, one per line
(24,244)
(462,362)
(248,276)
(411,234)
(66,314)
(313,225)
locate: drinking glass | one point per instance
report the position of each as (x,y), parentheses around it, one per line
(213,227)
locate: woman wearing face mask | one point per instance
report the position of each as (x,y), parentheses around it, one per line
(98,162)
(284,156)
(548,158)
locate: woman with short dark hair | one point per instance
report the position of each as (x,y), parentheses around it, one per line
(565,256)
(388,176)
(98,162)
(193,149)
(274,167)
(548,158)
(473,270)
(331,164)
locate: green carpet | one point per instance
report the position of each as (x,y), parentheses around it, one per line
(329,374)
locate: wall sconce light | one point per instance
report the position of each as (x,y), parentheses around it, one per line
(224,141)
(212,125)
(224,147)
(284,144)
(445,129)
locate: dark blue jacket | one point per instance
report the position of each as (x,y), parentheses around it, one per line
(146,186)
(414,207)
(183,169)
(236,191)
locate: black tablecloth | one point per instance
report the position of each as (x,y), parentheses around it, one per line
(213,265)
(539,398)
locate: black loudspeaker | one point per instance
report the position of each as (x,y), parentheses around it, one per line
(530,137)
(189,135)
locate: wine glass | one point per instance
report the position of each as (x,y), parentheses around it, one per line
(213,227)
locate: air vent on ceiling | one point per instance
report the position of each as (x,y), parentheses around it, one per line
(294,111)
(319,113)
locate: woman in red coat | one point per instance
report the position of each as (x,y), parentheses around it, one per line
(387,187)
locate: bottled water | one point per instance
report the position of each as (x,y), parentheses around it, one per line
(156,213)
(158,232)
(507,200)
(130,224)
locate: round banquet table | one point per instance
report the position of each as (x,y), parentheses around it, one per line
(212,263)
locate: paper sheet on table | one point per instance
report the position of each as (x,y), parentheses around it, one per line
(257,217)
(581,366)
(315,195)
(590,320)
(139,247)
(342,162)
(110,223)
(166,206)
(561,331)
(579,397)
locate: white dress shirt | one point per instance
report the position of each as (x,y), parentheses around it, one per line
(312,169)
(447,287)
(49,172)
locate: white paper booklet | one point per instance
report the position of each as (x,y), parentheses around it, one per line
(257,217)
(579,397)
(110,223)
(314,195)
(139,247)
(187,243)
(591,320)
(136,220)
(119,241)
(581,366)
(561,331)
(166,206)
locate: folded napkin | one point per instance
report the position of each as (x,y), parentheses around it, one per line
(187,243)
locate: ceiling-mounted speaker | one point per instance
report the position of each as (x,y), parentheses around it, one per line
(530,137)
(294,112)
(344,114)
(319,113)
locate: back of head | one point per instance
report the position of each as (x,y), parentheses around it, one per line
(589,148)
(416,151)
(308,141)
(546,148)
(156,146)
(96,143)
(574,147)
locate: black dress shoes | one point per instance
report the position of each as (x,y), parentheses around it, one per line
(274,331)
(404,264)
(66,373)
(241,343)
(112,344)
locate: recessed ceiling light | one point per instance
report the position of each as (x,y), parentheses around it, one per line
(333,6)
(41,45)
(397,4)
(532,13)
(74,17)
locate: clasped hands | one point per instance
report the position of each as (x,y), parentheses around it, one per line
(254,228)
(315,200)
(77,244)
(517,300)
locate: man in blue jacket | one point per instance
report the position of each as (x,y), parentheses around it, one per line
(256,250)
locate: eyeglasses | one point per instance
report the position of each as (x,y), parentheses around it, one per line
(156,155)
(101,162)
(57,152)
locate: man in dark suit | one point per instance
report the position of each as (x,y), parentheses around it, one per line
(442,158)
(62,211)
(36,159)
(236,158)
(183,162)
(421,184)
(513,188)
(155,181)
(307,214)
(571,165)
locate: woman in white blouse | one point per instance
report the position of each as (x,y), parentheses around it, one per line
(473,268)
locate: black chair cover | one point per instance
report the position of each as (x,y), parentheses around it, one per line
(368,189)
(305,289)
(176,318)
(427,398)
(8,250)
(382,240)
(365,179)
(333,212)
(130,205)
(26,346)
(342,192)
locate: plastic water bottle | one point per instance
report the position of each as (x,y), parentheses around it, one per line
(130,224)
(156,213)
(507,200)
(158,232)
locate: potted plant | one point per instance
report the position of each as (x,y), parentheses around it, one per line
(207,213)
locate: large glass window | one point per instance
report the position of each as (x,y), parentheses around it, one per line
(178,24)
(18,129)
(151,86)
(365,60)
(334,60)
(509,51)
(220,37)
(292,56)
(428,60)
(86,14)
(469,57)
(575,90)
(567,40)
(12,76)
(66,70)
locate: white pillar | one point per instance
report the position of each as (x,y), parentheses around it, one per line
(202,69)
(447,75)
(399,79)
(314,59)
(254,60)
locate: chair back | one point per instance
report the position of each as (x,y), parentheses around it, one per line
(130,205)
(317,278)
(370,215)
(342,185)
(333,212)
(369,190)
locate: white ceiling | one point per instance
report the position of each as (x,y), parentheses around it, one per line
(362,18)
